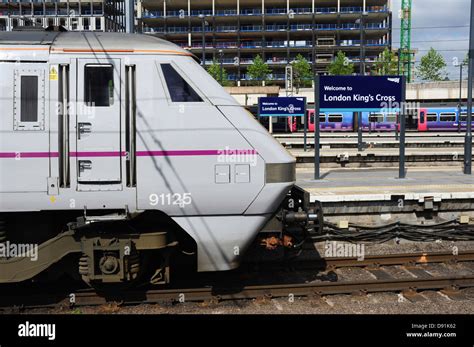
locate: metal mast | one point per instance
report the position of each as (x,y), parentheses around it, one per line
(405,39)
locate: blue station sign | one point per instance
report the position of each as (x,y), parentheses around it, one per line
(360,93)
(282,106)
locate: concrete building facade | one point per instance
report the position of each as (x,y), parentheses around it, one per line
(92,15)
(277,30)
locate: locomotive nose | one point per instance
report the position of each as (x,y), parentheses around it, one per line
(276,167)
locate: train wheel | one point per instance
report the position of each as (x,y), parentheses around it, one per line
(109,273)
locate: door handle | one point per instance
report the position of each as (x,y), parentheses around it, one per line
(84,128)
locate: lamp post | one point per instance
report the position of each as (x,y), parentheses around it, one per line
(203,20)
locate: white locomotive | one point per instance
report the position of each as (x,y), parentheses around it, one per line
(116,145)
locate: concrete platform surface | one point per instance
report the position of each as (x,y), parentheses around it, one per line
(339,185)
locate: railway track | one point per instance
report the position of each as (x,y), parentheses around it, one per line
(239,285)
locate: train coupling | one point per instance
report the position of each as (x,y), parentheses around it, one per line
(291,226)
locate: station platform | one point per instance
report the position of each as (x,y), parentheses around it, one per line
(435,184)
(379,157)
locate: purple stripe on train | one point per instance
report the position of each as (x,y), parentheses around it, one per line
(177,153)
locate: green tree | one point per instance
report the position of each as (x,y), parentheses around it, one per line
(432,67)
(341,65)
(215,71)
(387,63)
(302,74)
(259,70)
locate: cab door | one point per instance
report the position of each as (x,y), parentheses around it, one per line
(98,111)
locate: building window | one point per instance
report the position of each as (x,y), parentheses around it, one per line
(179,89)
(29,99)
(99,85)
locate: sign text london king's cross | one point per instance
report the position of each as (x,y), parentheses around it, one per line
(360,93)
(282,107)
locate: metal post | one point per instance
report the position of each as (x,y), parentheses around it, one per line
(130,16)
(359,131)
(317,169)
(468,138)
(362,66)
(221,57)
(401,167)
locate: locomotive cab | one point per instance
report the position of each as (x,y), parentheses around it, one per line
(116,145)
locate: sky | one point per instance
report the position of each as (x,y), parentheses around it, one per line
(441,24)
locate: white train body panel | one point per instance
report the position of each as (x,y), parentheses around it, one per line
(205,162)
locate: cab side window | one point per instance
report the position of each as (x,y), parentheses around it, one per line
(29,99)
(179,89)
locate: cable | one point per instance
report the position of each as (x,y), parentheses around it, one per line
(450,230)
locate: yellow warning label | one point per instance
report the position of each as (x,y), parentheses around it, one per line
(53,74)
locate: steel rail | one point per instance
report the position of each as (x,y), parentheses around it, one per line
(232,291)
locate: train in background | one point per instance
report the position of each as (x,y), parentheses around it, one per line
(429,118)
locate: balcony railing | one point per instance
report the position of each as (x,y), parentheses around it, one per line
(226,28)
(251,12)
(273,28)
(275,44)
(198,29)
(249,28)
(258,11)
(226,12)
(60,12)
